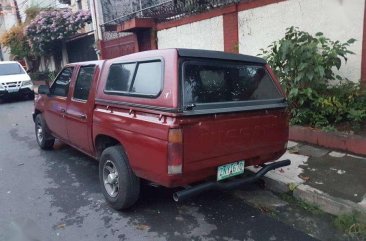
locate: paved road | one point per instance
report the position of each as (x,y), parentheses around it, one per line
(55,195)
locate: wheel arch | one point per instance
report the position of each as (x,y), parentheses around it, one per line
(35,113)
(102,142)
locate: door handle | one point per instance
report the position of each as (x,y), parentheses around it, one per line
(83,116)
(62,110)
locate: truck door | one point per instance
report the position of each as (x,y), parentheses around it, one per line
(79,109)
(56,103)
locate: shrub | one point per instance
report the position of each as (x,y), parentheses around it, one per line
(47,30)
(304,65)
(47,76)
(16,41)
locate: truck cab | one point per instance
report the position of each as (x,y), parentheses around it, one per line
(174,117)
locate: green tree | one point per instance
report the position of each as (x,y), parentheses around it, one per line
(16,41)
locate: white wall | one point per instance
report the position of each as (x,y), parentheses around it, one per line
(337,19)
(7,20)
(47,64)
(205,34)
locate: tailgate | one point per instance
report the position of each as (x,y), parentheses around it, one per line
(215,140)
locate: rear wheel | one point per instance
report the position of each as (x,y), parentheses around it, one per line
(121,187)
(44,139)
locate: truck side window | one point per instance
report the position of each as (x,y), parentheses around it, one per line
(120,76)
(148,78)
(83,82)
(60,86)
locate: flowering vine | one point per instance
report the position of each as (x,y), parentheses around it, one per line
(47,30)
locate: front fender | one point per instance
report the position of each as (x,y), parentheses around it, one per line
(39,105)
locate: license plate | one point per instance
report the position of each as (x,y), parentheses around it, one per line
(12,90)
(230,170)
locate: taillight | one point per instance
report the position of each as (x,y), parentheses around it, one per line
(175,151)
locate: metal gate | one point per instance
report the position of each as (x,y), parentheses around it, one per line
(81,49)
(118,47)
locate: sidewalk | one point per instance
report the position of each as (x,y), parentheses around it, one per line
(333,181)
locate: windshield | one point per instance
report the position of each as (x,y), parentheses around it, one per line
(212,82)
(11,68)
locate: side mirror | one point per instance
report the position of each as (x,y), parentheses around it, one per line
(43,90)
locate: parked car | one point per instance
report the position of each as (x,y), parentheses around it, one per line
(175,117)
(14,80)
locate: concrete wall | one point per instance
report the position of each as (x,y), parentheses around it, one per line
(337,19)
(8,19)
(205,34)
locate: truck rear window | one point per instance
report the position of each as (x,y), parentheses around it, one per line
(207,82)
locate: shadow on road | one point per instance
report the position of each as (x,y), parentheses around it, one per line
(15,98)
(215,215)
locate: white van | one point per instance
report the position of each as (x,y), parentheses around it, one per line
(14,80)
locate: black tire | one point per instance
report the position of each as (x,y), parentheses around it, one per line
(29,96)
(44,139)
(128,184)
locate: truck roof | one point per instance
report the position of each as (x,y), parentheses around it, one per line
(93,62)
(198,53)
(195,53)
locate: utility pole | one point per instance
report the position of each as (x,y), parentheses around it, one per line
(17,13)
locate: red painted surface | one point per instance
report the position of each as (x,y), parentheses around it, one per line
(119,47)
(251,136)
(334,140)
(363,60)
(231,35)
(142,39)
(196,18)
(215,13)
(135,24)
(256,4)
(79,129)
(208,140)
(145,39)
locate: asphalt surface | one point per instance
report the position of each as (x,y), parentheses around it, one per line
(55,195)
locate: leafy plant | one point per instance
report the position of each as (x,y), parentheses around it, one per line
(16,41)
(49,28)
(43,76)
(353,225)
(302,60)
(305,64)
(32,12)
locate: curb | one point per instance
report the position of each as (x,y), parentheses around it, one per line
(333,140)
(322,200)
(325,202)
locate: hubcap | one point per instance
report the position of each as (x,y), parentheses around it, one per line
(110,178)
(39,132)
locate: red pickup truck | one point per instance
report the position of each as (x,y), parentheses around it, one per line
(175,117)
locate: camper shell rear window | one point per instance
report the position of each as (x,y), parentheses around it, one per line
(220,84)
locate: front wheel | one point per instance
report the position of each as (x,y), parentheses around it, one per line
(121,187)
(44,139)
